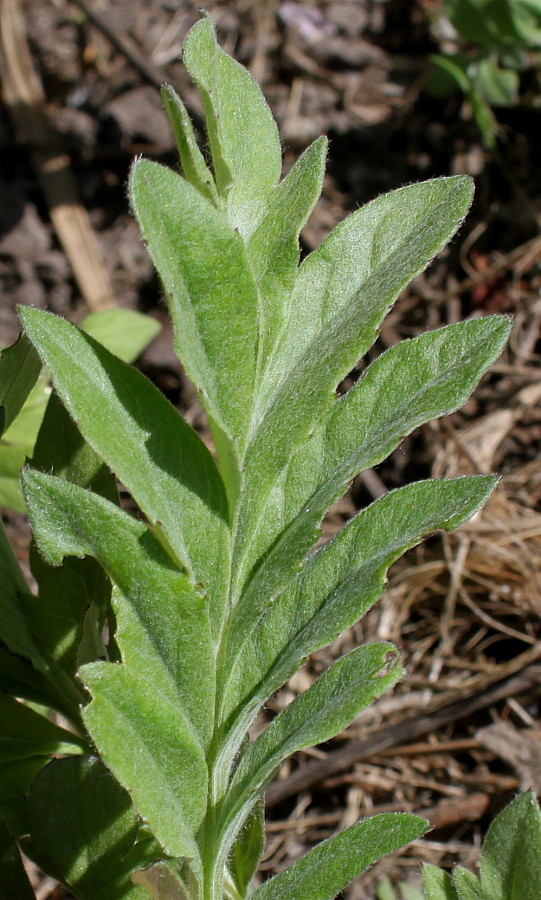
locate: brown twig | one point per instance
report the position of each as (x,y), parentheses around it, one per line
(124,44)
(24,96)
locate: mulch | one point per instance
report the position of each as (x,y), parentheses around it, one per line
(461,735)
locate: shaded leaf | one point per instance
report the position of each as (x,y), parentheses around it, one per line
(14,882)
(59,614)
(20,366)
(15,780)
(16,632)
(19,678)
(82,826)
(72,606)
(248,848)
(124,332)
(345,289)
(25,733)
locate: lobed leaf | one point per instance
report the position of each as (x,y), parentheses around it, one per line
(147,744)
(132,427)
(327,869)
(217,601)
(350,281)
(340,582)
(122,331)
(169,641)
(406,386)
(359,290)
(324,710)
(167,654)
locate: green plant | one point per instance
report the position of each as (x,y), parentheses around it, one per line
(510,867)
(502,38)
(123,332)
(386,891)
(159,636)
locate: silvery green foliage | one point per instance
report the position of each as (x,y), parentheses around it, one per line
(510,866)
(214,595)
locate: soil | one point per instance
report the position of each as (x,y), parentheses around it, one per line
(461,736)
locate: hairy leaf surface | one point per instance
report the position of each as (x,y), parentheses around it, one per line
(129,423)
(363,427)
(425,217)
(166,649)
(511,857)
(329,867)
(162,632)
(243,137)
(273,249)
(194,167)
(322,711)
(343,579)
(169,642)
(437,884)
(467,886)
(210,288)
